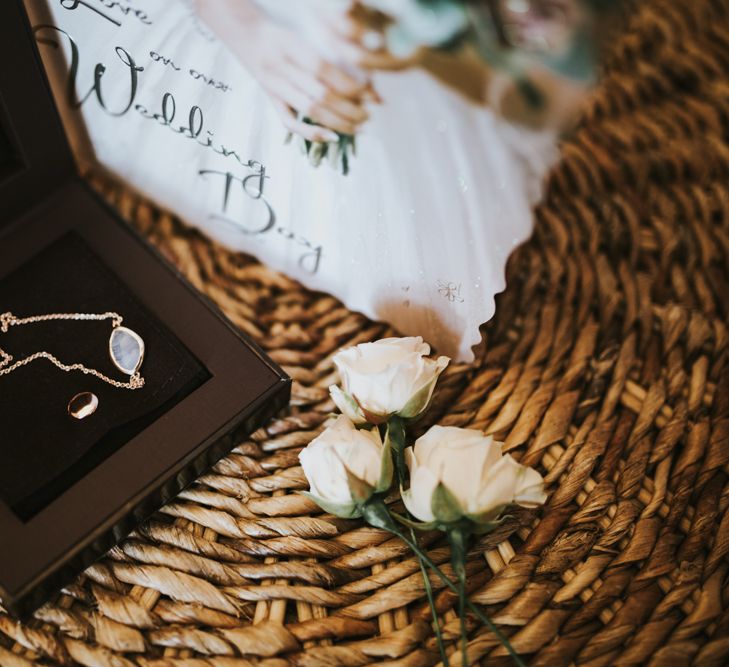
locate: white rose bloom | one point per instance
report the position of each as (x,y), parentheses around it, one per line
(392,376)
(472,468)
(339,450)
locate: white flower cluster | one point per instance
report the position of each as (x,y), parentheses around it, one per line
(455,473)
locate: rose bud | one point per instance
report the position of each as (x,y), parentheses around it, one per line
(457,472)
(345,466)
(390,377)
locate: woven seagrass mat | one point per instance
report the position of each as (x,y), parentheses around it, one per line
(605,366)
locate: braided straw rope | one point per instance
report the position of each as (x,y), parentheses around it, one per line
(605,367)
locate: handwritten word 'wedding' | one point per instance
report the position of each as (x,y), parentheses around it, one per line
(193,129)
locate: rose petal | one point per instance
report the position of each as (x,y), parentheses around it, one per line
(499,486)
(458,457)
(418,497)
(347,405)
(384,376)
(530,489)
(341,449)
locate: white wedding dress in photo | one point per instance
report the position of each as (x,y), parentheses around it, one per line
(418,233)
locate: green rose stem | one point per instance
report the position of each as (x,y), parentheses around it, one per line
(376,514)
(458,538)
(396,436)
(431,602)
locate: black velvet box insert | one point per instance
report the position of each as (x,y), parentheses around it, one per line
(70,489)
(44,451)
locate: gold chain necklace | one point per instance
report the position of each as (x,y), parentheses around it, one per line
(126,348)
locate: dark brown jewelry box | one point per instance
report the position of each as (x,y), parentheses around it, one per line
(43,202)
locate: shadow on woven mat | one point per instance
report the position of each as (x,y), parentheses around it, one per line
(605,366)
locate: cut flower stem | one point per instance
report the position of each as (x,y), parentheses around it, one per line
(458,538)
(395,435)
(431,602)
(376,514)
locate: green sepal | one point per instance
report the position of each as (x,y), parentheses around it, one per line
(349,407)
(418,403)
(371,417)
(444,505)
(416,525)
(395,434)
(361,491)
(376,514)
(386,468)
(489,517)
(483,527)
(343,511)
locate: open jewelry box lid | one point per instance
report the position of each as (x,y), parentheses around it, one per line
(35,157)
(41,200)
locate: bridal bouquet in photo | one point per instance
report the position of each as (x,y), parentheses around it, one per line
(401,28)
(516,37)
(451,479)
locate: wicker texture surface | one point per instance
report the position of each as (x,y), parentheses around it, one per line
(605,367)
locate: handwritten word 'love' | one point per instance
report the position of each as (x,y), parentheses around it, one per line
(124,9)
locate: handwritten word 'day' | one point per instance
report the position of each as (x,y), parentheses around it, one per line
(237,191)
(124,8)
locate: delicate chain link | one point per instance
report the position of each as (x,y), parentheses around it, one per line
(7,320)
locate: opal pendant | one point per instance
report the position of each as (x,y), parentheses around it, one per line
(83,405)
(126,349)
